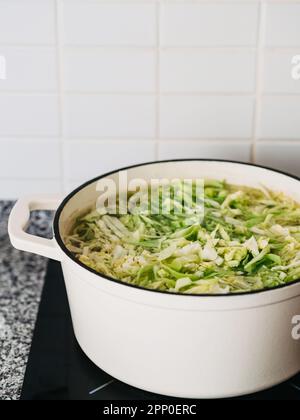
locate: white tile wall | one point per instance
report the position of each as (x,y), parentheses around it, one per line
(110,116)
(24,22)
(240,151)
(105,156)
(29,115)
(282,24)
(277,71)
(221,70)
(282,155)
(107,23)
(92,85)
(104,70)
(13,188)
(280,117)
(214,116)
(29,69)
(203,24)
(46,159)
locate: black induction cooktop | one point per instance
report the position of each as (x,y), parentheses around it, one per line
(58,370)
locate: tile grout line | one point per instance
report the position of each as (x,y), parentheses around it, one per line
(259,81)
(149,93)
(70,140)
(59,11)
(131,47)
(191,1)
(30,178)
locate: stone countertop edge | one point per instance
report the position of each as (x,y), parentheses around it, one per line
(21,282)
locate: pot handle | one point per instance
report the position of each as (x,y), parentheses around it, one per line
(19,220)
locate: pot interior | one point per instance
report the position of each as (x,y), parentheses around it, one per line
(85,197)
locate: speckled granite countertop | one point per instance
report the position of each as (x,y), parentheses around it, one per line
(21,281)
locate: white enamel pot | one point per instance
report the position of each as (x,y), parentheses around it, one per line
(178,345)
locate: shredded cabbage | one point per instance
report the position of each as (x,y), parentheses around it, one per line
(248,240)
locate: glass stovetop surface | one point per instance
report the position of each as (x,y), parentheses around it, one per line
(58,370)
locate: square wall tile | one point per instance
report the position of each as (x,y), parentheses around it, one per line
(29,69)
(12,189)
(27,22)
(282,24)
(278,67)
(71,185)
(110,70)
(110,116)
(280,155)
(97,23)
(280,117)
(29,115)
(189,117)
(29,159)
(203,70)
(208,24)
(88,159)
(240,151)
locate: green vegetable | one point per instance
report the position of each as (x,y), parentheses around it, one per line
(248,239)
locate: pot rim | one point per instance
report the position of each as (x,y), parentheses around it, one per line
(63,247)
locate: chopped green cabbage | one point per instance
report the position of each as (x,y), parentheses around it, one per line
(248,240)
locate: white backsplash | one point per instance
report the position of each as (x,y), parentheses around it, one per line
(94,85)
